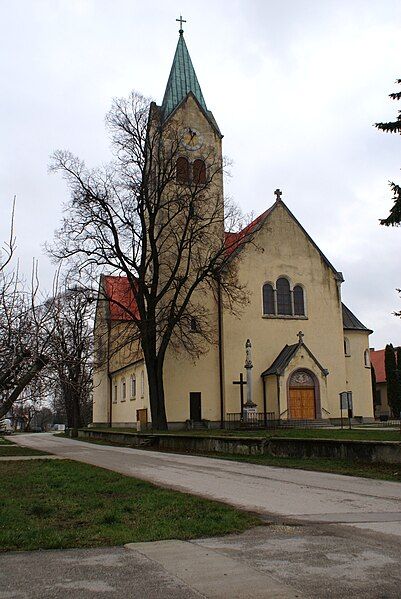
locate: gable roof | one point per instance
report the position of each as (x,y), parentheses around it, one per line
(377,361)
(181,81)
(351,322)
(285,356)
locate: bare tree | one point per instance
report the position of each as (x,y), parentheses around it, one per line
(70,368)
(24,334)
(144,218)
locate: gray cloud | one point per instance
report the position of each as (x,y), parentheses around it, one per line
(295,87)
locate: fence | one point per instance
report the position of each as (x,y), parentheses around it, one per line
(236,421)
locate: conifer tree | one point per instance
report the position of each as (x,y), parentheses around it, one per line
(394,218)
(393,385)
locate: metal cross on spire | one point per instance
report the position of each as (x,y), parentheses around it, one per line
(181,21)
(278,193)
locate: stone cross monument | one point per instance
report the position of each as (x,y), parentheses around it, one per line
(250,411)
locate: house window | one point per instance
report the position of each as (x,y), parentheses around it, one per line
(366,358)
(142,383)
(268,299)
(133,387)
(123,390)
(347,349)
(199,172)
(284,304)
(182,170)
(299,304)
(115,393)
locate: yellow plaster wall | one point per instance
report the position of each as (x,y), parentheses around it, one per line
(124,411)
(358,375)
(283,249)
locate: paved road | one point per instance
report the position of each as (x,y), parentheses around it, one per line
(292,494)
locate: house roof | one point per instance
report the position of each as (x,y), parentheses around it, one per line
(377,360)
(120,298)
(181,81)
(351,322)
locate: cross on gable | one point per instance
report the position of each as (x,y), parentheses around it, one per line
(181,21)
(300,336)
(278,193)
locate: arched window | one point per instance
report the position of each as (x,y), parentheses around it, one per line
(366,358)
(123,390)
(142,383)
(268,299)
(199,172)
(182,170)
(284,306)
(347,348)
(299,304)
(133,387)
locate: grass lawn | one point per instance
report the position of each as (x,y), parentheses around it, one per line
(8,448)
(58,504)
(390,472)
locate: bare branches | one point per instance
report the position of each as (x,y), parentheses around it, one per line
(136,218)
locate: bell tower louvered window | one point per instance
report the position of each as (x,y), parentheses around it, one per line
(199,172)
(182,170)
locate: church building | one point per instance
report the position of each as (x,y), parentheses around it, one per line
(305,346)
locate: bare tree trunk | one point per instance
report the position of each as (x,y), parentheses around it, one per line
(22,383)
(154,368)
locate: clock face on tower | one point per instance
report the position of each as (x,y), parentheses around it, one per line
(191,139)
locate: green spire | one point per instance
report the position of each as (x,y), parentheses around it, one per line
(182,80)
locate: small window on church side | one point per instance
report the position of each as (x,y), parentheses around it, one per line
(199,172)
(347,349)
(284,306)
(115,393)
(366,358)
(142,383)
(299,303)
(268,299)
(123,390)
(133,387)
(194,325)
(182,170)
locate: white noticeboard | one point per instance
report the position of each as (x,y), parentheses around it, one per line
(346,400)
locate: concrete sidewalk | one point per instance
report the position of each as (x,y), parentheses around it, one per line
(272,562)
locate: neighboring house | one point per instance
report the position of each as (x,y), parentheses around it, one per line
(291,285)
(382,408)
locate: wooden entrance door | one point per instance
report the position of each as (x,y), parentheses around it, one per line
(195,408)
(142,416)
(302,404)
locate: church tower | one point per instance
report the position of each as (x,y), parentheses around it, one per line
(185,117)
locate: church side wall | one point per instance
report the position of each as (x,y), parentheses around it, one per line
(358,375)
(124,410)
(284,250)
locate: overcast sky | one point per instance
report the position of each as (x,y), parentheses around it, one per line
(295,87)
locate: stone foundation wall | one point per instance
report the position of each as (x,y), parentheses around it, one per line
(386,452)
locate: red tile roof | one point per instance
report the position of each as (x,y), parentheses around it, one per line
(122,304)
(232,240)
(377,359)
